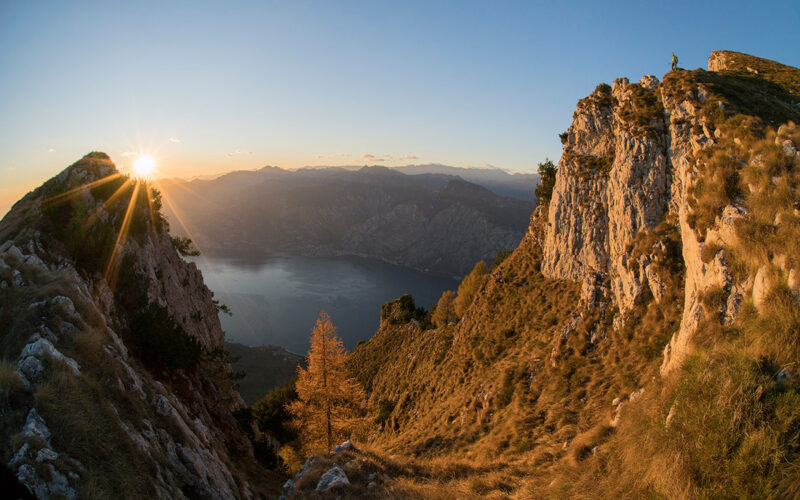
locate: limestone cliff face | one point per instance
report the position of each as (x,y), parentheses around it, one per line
(614,180)
(91,412)
(628,165)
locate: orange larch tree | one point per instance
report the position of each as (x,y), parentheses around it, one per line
(331,404)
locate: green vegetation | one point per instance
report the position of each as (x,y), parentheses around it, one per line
(402,310)
(185,246)
(271,415)
(161,343)
(501,256)
(547,180)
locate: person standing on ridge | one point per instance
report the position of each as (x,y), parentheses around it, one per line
(674,61)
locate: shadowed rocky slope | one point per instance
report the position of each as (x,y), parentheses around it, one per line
(113,377)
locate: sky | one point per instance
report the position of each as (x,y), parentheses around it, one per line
(209,87)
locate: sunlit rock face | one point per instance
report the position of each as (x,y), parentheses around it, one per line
(613,181)
(628,164)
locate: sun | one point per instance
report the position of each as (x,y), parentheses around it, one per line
(144,165)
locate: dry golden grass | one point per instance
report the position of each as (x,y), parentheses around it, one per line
(490,389)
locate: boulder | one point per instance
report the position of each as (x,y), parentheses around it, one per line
(649,82)
(35,426)
(307,466)
(347,445)
(43,347)
(334,478)
(30,367)
(760,287)
(56,487)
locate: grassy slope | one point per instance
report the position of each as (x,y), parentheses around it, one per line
(495,394)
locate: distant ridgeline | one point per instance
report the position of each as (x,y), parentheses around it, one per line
(428,218)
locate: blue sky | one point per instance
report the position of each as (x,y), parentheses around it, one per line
(210,87)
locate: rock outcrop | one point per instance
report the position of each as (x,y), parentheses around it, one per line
(92,410)
(629,163)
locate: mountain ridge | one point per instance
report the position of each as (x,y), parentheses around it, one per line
(626,347)
(377,212)
(111,349)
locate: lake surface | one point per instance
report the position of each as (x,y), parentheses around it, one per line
(276,300)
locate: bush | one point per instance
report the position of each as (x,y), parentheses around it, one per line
(501,256)
(402,310)
(185,246)
(547,181)
(270,412)
(160,343)
(385,409)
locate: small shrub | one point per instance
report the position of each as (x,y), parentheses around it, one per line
(501,256)
(709,251)
(270,412)
(547,181)
(185,246)
(160,343)
(385,409)
(402,310)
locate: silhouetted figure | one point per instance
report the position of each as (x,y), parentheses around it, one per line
(674,61)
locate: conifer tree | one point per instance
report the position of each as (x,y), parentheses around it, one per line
(331,405)
(445,312)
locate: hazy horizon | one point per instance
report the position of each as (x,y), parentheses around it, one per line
(211,89)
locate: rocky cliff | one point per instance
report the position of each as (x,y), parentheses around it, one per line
(642,339)
(631,163)
(114,381)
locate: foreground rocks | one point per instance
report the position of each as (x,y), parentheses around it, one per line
(346,471)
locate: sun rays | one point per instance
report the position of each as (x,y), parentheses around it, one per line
(109,192)
(102,217)
(144,166)
(113,268)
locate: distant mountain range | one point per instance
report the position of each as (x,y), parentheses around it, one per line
(516,185)
(413,216)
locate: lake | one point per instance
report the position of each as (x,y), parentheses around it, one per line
(276,300)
